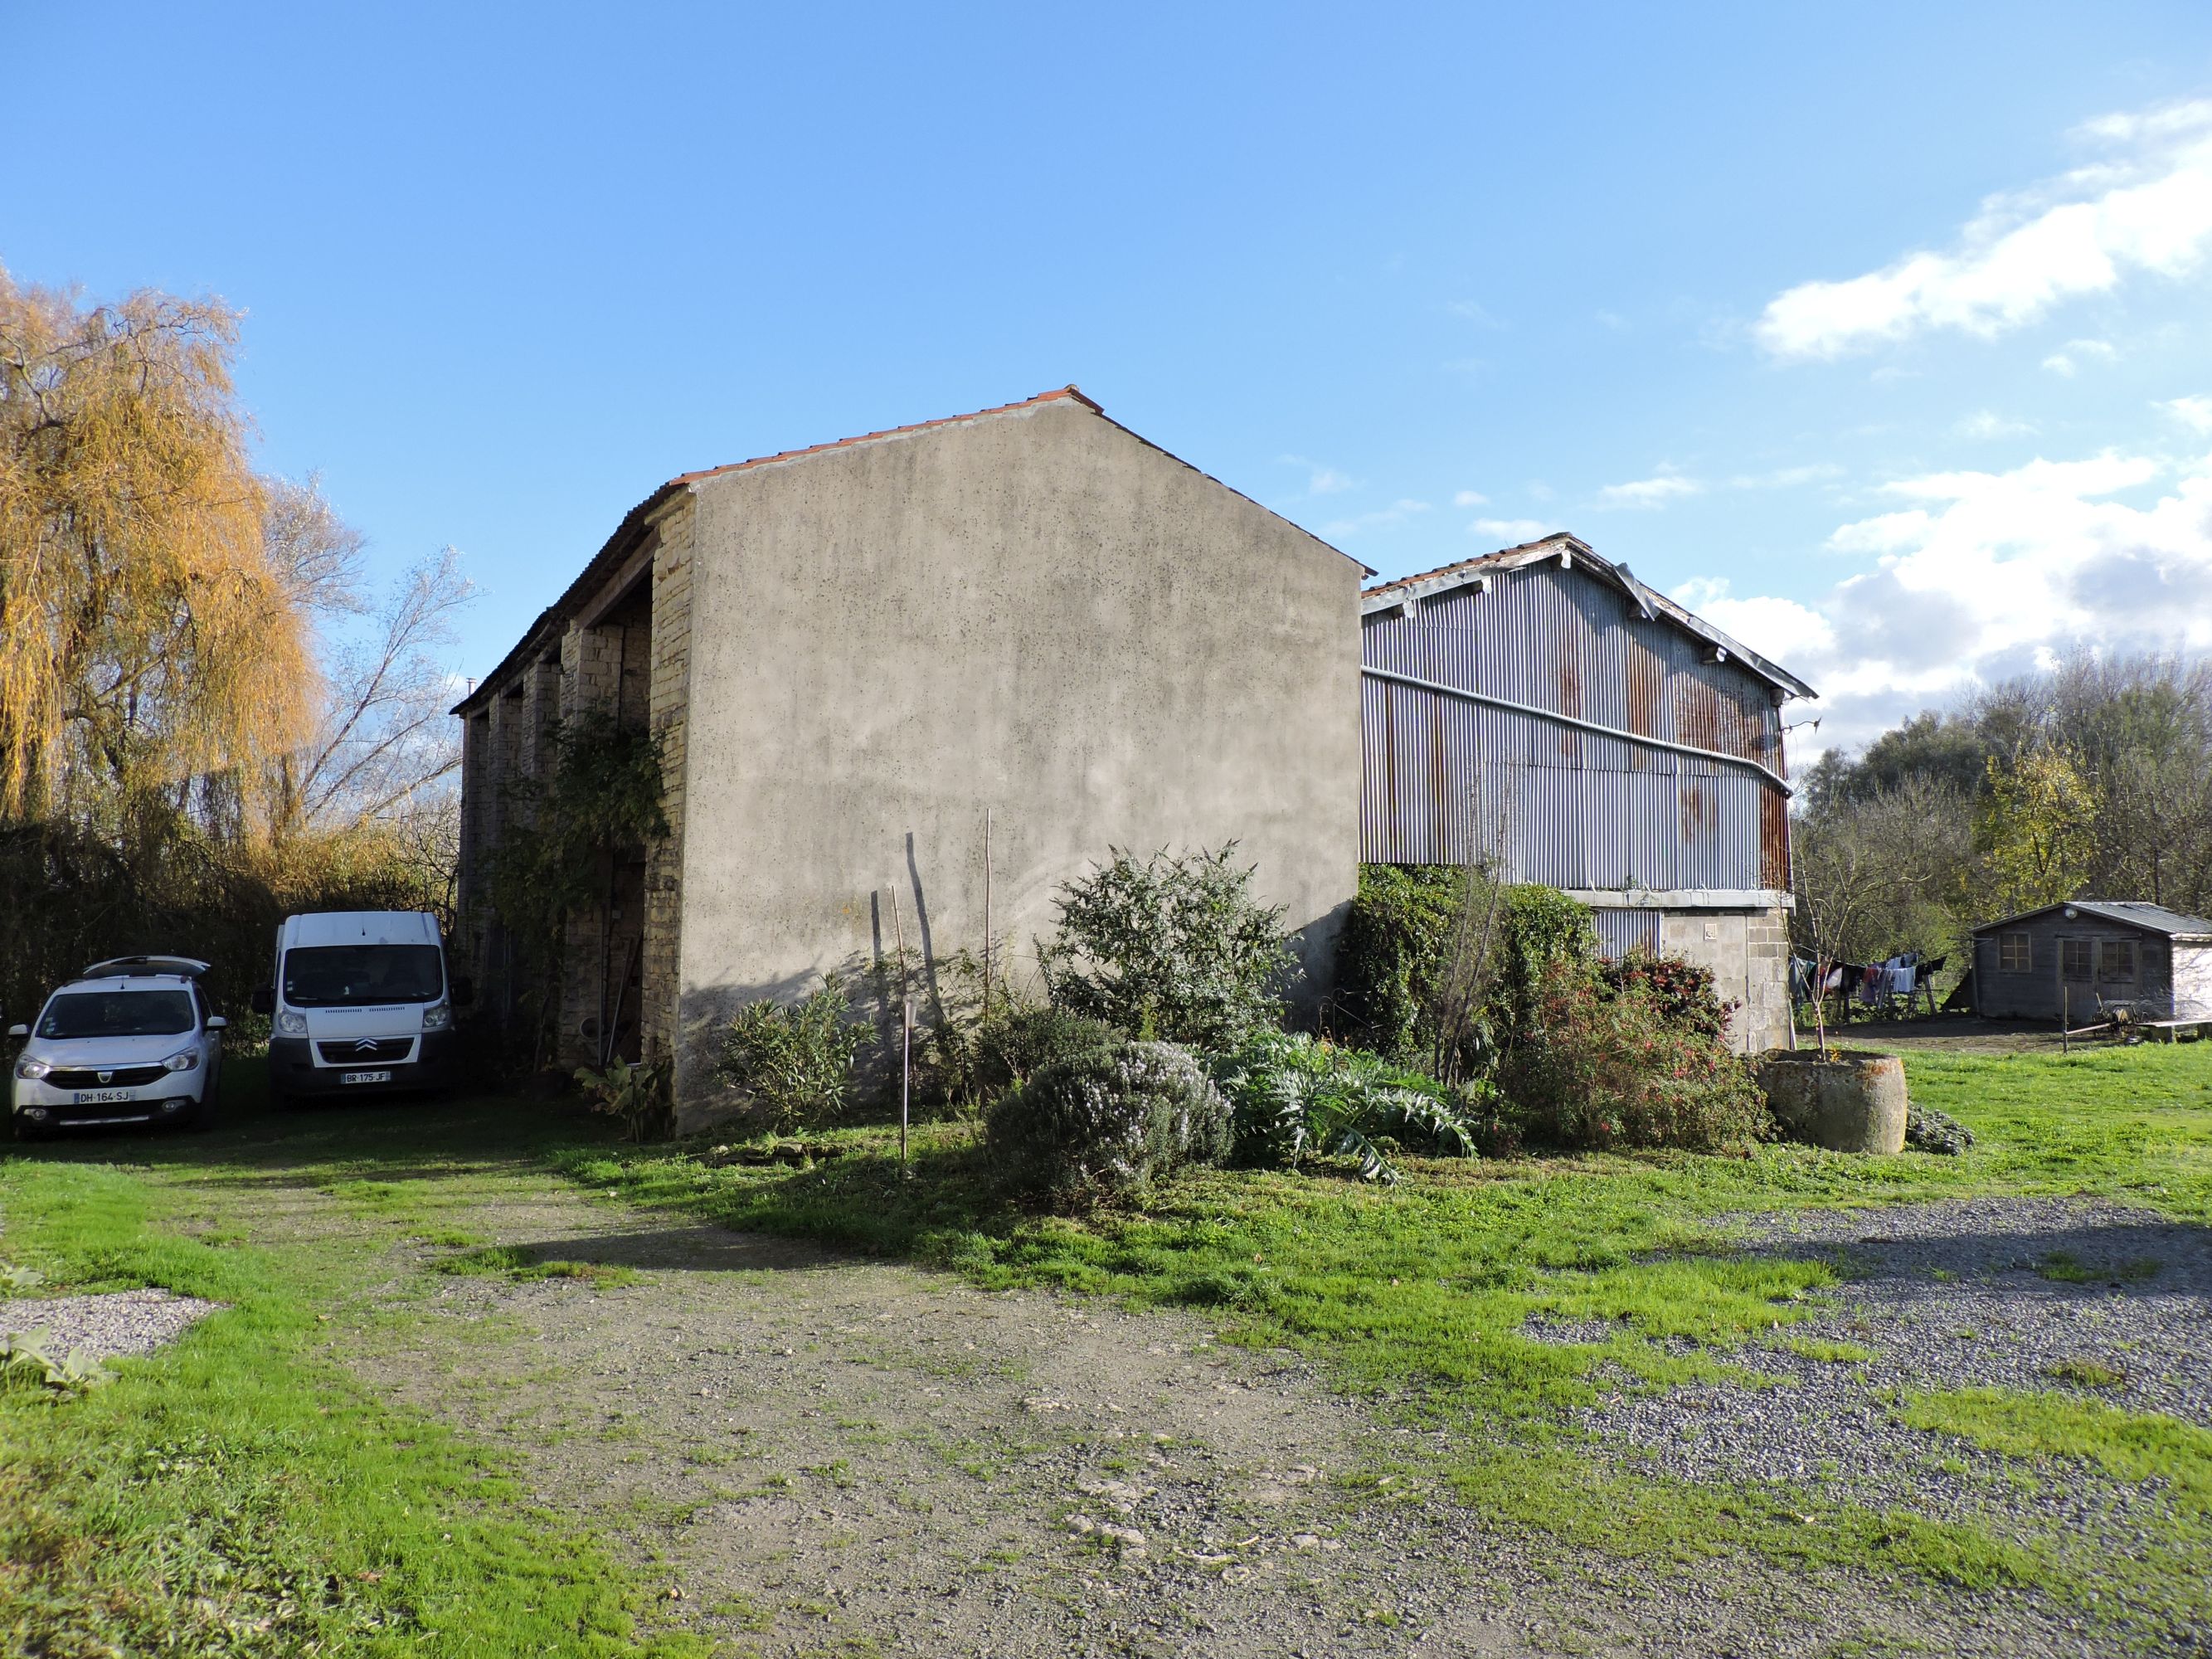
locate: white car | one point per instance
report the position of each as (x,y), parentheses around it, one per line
(129,1041)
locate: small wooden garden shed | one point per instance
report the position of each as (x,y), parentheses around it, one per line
(2077,959)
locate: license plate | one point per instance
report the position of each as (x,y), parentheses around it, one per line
(103,1097)
(364,1077)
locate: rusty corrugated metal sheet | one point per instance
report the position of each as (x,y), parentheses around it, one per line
(1774,842)
(1619,932)
(1446,778)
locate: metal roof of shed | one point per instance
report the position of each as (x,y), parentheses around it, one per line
(2151,918)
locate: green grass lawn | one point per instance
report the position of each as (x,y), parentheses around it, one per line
(240,1493)
(1421,1295)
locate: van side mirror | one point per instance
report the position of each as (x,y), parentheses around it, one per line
(19,1030)
(462,993)
(263,1000)
(217,1023)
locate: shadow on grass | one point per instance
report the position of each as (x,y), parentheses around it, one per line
(401,1137)
(703,1247)
(2066,1262)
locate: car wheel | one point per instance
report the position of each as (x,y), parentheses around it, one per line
(202,1116)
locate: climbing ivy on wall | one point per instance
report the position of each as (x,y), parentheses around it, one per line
(603,793)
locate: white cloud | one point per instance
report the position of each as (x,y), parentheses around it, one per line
(2068,360)
(2148,209)
(2195,413)
(1885,534)
(1664,485)
(1321,479)
(1385,518)
(1470,498)
(1612,319)
(1510,532)
(1986,574)
(1987,423)
(1787,477)
(1781,630)
(1475,312)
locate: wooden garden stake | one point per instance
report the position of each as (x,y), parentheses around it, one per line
(987,913)
(906,1030)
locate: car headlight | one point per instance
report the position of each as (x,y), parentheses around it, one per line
(31,1070)
(183,1061)
(292,1024)
(437,1017)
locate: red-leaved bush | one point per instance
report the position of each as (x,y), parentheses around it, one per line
(1607,1064)
(1682,991)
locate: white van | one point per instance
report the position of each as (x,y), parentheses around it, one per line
(361,1004)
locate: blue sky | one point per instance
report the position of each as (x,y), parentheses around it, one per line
(1881,333)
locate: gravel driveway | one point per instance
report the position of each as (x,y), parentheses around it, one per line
(819,1455)
(2087,1299)
(104,1326)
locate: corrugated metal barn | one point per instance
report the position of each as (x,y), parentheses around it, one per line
(1543,707)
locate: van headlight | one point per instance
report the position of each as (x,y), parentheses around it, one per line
(437,1017)
(184,1059)
(31,1070)
(291,1023)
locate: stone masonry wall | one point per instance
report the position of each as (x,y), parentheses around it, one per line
(591,678)
(1749,954)
(668,703)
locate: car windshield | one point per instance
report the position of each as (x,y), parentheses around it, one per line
(116,1013)
(353,976)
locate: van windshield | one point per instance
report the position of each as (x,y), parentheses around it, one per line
(355,975)
(116,1013)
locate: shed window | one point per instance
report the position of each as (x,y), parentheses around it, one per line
(2075,954)
(2119,959)
(2015,953)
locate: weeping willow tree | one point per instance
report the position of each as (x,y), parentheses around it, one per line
(175,773)
(148,642)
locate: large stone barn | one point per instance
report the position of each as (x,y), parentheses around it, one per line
(1543,709)
(856,653)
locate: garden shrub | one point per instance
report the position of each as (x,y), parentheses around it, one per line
(1395,975)
(1014,1045)
(1606,1066)
(636,1095)
(1293,1098)
(1928,1130)
(1540,930)
(1106,1120)
(1387,955)
(1682,991)
(793,1062)
(1170,948)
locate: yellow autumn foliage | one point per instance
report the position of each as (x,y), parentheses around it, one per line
(146,636)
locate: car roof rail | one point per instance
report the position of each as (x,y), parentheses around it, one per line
(117,966)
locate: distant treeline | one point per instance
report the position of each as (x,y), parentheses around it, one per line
(2091,781)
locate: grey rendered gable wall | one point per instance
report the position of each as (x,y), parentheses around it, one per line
(1035,613)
